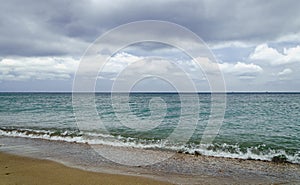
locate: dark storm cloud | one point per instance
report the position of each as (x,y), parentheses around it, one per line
(64,27)
(212,20)
(27,29)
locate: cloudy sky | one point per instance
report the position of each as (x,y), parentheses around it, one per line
(256,43)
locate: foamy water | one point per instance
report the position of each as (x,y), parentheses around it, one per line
(256,126)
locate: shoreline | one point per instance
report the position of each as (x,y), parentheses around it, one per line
(178,169)
(278,156)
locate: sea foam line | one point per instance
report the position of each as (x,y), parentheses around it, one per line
(119,141)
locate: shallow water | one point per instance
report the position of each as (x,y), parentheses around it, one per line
(256,125)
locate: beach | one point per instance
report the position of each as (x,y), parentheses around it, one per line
(23,170)
(79,163)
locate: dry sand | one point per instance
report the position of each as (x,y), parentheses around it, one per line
(16,170)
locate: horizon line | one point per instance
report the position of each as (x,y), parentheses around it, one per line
(163,92)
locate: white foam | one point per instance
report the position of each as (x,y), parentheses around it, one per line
(119,141)
(267,156)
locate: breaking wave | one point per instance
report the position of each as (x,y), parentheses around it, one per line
(94,138)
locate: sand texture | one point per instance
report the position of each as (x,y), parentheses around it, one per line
(16,170)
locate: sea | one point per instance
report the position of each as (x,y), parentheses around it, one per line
(256,126)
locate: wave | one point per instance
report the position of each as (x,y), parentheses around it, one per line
(93,138)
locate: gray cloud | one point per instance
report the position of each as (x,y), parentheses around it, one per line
(36,28)
(27,30)
(256,42)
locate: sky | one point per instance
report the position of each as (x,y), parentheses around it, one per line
(256,43)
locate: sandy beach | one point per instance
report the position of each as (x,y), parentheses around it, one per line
(35,161)
(22,170)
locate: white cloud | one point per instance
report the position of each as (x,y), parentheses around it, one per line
(124,60)
(120,61)
(285,72)
(147,65)
(289,38)
(53,68)
(40,68)
(270,55)
(207,65)
(243,70)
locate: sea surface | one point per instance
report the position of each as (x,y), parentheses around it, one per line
(255,126)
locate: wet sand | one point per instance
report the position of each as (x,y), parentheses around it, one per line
(22,170)
(85,166)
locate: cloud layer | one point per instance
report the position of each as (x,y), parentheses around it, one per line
(257,43)
(37,68)
(35,28)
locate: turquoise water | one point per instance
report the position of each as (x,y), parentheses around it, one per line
(256,125)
